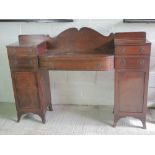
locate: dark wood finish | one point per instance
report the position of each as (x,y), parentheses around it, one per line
(84,49)
(131,76)
(77,62)
(31,85)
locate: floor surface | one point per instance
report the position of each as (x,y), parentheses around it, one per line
(72,120)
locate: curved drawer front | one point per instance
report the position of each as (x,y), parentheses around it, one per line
(132,50)
(123,62)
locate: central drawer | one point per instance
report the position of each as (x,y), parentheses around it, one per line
(131,62)
(77,63)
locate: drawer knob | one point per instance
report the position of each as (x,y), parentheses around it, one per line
(123,62)
(142,50)
(141,62)
(98,65)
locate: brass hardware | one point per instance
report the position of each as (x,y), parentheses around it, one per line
(142,50)
(98,65)
(123,62)
(142,62)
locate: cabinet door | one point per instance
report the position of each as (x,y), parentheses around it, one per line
(130,91)
(26,92)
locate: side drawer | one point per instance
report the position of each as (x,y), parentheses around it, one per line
(23,63)
(21,51)
(132,50)
(131,62)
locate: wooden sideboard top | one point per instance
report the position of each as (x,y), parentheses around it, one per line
(76,49)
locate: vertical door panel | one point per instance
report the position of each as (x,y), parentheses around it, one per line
(26,89)
(131,91)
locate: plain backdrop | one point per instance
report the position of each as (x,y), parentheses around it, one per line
(73,87)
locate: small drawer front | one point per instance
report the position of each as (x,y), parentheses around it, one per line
(23,63)
(131,62)
(132,50)
(21,51)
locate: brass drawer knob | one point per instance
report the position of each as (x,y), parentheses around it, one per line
(98,65)
(123,62)
(141,62)
(142,50)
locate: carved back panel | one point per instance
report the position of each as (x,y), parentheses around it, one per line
(82,40)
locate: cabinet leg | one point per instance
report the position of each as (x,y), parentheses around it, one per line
(116,118)
(144,123)
(18,116)
(43,118)
(50,107)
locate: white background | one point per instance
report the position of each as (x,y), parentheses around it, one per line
(73,87)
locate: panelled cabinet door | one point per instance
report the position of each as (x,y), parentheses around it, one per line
(25,85)
(131,86)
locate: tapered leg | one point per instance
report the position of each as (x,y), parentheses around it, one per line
(116,118)
(48,90)
(144,123)
(18,116)
(43,118)
(50,107)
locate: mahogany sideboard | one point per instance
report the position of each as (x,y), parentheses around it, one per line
(127,53)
